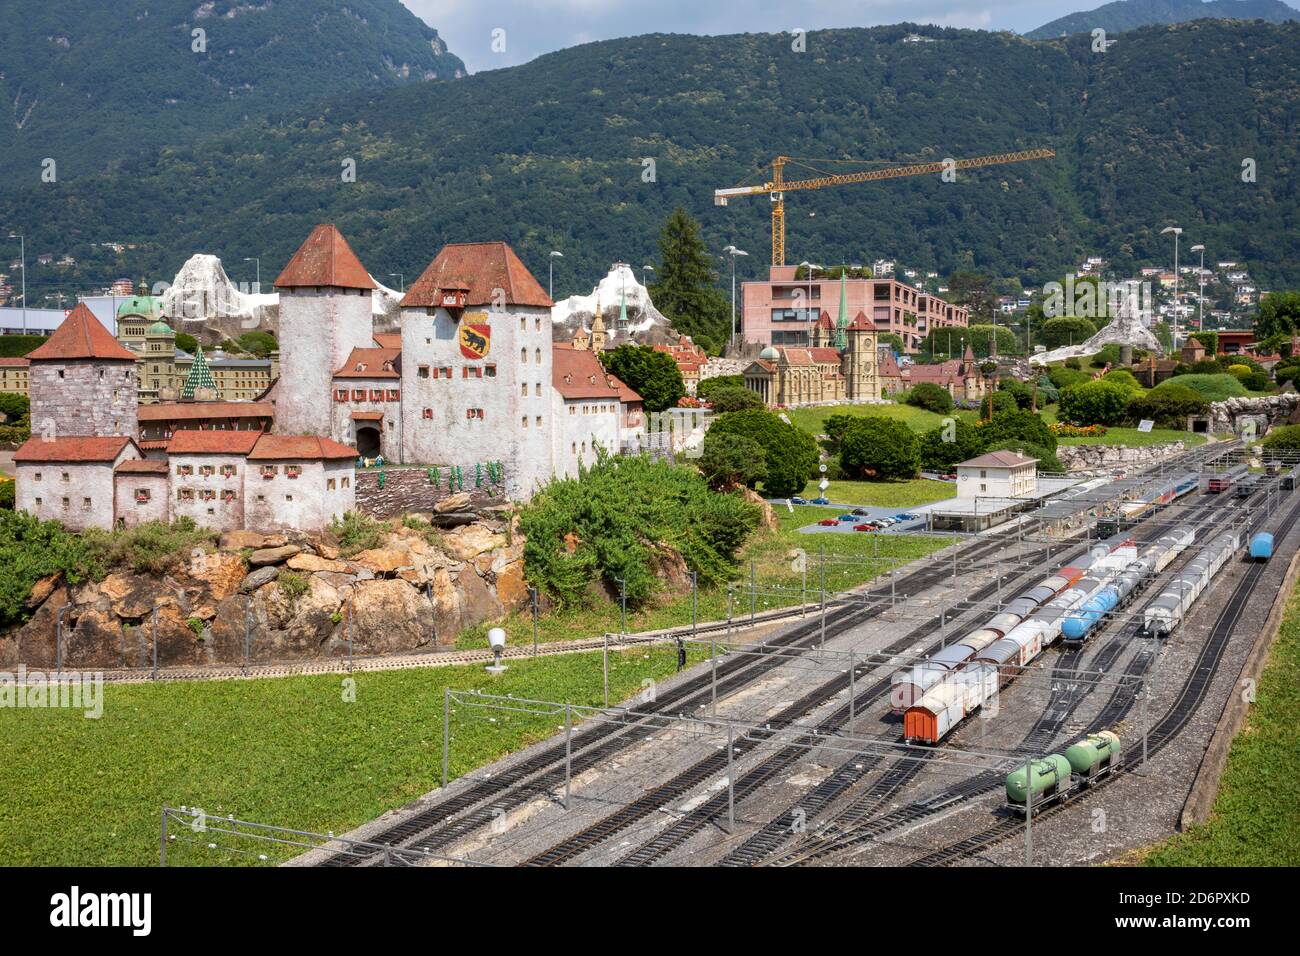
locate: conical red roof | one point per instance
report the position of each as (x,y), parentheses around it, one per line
(325,259)
(480,268)
(82,336)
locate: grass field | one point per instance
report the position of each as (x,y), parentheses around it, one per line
(1127,436)
(918,419)
(1256,816)
(852,559)
(884,494)
(285,751)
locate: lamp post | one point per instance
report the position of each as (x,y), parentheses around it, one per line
(644,270)
(1200,287)
(258,263)
(550,273)
(1177,231)
(22,245)
(733,252)
(401,279)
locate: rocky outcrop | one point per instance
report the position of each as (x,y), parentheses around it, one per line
(1085,459)
(1239,415)
(282,601)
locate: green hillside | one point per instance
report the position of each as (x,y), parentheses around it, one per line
(89,83)
(551,155)
(1130,14)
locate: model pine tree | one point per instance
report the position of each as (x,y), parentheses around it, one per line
(684,291)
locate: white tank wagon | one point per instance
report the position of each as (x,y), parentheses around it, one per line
(909,685)
(1167,609)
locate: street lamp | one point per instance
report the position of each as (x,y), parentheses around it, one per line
(1177,231)
(733,252)
(550,281)
(1200,287)
(258,262)
(644,270)
(401,278)
(22,240)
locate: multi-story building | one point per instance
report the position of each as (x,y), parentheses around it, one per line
(783,309)
(841,364)
(13,375)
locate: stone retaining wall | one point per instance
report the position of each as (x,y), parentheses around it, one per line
(410,490)
(1083,458)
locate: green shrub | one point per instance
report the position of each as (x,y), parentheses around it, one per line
(725,400)
(791,453)
(1212,388)
(1001,402)
(1122,376)
(1064,377)
(607,524)
(1093,403)
(150,548)
(7,495)
(1167,406)
(1047,460)
(1283,438)
(31,550)
(292,585)
(728,460)
(876,447)
(1073,364)
(930,396)
(1017,424)
(357,532)
(1065,330)
(710,385)
(651,374)
(942,447)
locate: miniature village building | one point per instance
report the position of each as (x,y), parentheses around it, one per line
(840,365)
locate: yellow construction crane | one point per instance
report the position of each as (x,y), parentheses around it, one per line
(779,185)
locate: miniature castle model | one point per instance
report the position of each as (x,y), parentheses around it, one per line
(472,377)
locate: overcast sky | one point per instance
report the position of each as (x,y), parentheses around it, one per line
(534,27)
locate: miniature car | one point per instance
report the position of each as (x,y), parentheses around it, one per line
(864,527)
(828,522)
(796,500)
(848,517)
(861,511)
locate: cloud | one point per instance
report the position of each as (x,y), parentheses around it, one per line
(534,27)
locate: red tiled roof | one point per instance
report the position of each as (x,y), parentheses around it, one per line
(325,259)
(369,363)
(192,441)
(177,411)
(83,448)
(281,447)
(824,356)
(481,268)
(367,416)
(860,321)
(388,340)
(141,466)
(81,336)
(22,362)
(824,321)
(577,373)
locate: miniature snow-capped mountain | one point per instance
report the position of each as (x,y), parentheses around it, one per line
(626,311)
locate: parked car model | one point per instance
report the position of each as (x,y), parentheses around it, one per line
(864,527)
(796,500)
(848,517)
(861,511)
(828,522)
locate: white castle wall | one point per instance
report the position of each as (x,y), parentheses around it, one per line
(579,425)
(319,327)
(83,500)
(217,514)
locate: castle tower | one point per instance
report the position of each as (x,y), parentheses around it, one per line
(324,315)
(477,365)
(82,382)
(860,359)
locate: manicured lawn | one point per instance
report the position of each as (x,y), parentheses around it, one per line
(289,752)
(852,560)
(1126,436)
(1256,816)
(884,494)
(918,419)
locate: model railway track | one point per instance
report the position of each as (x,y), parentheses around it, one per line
(708,768)
(1190,697)
(769,839)
(458,812)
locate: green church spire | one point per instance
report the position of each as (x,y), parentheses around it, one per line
(200,376)
(842,325)
(622,308)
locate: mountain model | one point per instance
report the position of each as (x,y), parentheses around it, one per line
(1131,14)
(86,83)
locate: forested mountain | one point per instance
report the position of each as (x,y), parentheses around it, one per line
(552,155)
(89,82)
(1131,14)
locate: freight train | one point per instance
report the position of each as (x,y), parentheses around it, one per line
(1166,611)
(911,683)
(1261,546)
(1148,502)
(1078,624)
(1058,777)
